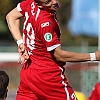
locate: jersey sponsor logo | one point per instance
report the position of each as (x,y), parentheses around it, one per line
(48,37)
(45,24)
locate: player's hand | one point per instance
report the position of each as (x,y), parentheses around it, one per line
(97,55)
(23,54)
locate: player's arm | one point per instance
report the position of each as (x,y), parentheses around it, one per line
(67,56)
(58,52)
(13,20)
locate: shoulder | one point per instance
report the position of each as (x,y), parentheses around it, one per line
(27,6)
(45,16)
(45,21)
(45,24)
(25,3)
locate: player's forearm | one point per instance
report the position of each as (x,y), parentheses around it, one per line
(72,57)
(66,56)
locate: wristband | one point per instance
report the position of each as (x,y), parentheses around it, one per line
(92,56)
(19,42)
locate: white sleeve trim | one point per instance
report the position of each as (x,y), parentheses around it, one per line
(53,47)
(18,7)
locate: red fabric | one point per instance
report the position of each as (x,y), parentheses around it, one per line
(37,84)
(95,94)
(42,77)
(37,24)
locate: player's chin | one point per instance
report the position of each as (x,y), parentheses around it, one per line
(55,8)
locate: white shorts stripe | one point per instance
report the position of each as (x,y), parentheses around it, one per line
(68,98)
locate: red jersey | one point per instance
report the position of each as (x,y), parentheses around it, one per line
(95,95)
(41,35)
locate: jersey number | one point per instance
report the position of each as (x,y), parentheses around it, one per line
(30,33)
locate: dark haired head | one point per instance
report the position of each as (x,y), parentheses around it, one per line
(4,81)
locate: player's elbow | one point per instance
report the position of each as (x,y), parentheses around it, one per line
(59,58)
(7,16)
(59,55)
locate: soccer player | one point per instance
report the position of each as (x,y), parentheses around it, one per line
(4,81)
(42,75)
(95,94)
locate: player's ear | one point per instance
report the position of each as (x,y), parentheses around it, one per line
(7,89)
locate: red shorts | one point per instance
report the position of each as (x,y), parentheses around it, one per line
(44,84)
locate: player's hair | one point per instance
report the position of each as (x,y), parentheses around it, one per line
(4,81)
(37,1)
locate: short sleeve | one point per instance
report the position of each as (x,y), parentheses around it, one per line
(49,34)
(22,6)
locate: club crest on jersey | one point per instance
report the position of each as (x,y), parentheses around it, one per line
(45,24)
(48,37)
